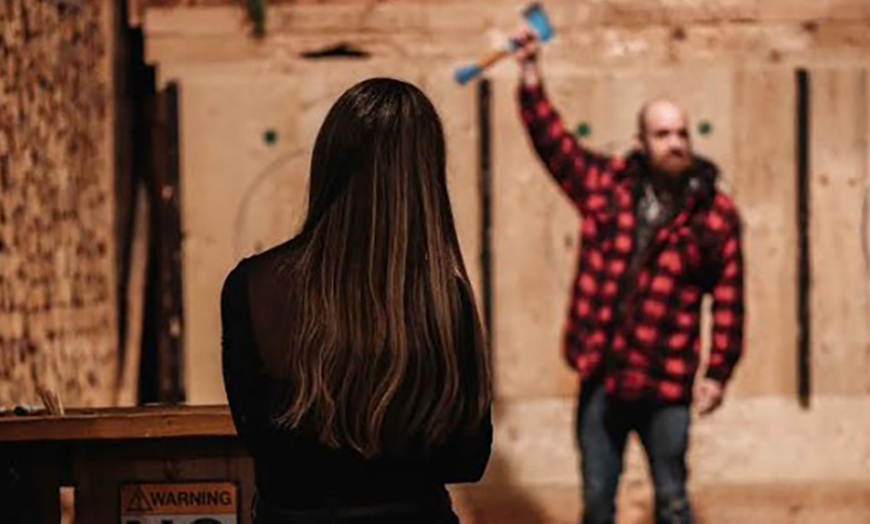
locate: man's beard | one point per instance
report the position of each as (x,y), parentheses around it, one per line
(673,164)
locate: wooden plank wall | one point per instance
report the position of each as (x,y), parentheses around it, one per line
(207,47)
(732,64)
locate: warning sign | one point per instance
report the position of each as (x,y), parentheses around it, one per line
(180,503)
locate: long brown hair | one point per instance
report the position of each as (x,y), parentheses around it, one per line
(387,346)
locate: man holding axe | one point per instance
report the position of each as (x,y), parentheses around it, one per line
(656,236)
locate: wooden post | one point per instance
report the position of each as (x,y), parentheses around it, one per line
(484,116)
(167,210)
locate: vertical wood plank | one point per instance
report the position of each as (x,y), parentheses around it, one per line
(534,245)
(242,183)
(765,190)
(166,221)
(838,188)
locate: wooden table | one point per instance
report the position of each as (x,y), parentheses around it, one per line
(99,452)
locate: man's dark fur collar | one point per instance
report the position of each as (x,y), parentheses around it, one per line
(701,177)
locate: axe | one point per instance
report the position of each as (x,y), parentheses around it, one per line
(539,23)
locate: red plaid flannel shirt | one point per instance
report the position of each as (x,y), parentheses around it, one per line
(640,333)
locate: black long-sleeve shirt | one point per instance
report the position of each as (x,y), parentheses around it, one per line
(295,471)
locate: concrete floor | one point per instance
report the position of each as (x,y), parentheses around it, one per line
(734,504)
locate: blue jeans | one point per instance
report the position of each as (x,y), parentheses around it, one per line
(603,424)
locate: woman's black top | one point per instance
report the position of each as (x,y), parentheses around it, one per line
(293,470)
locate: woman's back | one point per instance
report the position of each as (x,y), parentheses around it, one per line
(293,466)
(353,355)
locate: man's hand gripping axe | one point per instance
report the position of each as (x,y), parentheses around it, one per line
(539,23)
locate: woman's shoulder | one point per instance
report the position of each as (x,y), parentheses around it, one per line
(264,262)
(275,255)
(235,281)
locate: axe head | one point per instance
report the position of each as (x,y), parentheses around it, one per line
(537,19)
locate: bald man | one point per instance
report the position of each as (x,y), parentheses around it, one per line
(656,236)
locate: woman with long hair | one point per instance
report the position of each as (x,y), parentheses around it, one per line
(353,355)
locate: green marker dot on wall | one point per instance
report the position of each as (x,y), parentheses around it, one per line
(270,136)
(705,128)
(583,130)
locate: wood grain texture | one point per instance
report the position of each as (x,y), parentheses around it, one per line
(120,423)
(840,267)
(99,469)
(763,180)
(57,233)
